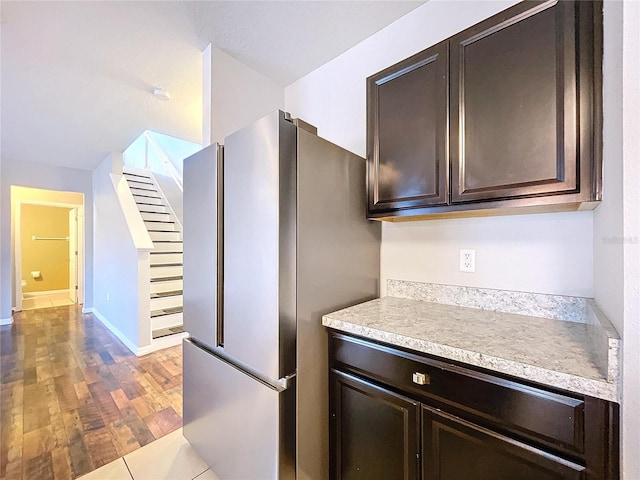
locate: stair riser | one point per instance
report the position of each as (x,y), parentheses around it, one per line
(164,236)
(141,185)
(167,247)
(145,193)
(163,258)
(168,286)
(152,208)
(143,202)
(158,217)
(161,272)
(166,321)
(165,227)
(166,302)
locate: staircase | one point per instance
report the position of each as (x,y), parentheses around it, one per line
(166,257)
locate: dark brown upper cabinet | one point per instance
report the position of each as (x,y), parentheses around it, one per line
(513,120)
(407,139)
(514,105)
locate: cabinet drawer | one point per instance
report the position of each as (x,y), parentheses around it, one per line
(552,418)
(455,448)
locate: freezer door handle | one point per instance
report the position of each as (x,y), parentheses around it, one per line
(278,385)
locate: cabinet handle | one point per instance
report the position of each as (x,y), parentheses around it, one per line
(421,378)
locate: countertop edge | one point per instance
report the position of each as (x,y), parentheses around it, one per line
(573,383)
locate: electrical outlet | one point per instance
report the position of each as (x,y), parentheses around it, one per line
(108,297)
(467,260)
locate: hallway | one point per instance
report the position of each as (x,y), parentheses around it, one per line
(74,398)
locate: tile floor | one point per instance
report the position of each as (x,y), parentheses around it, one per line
(32,302)
(168,458)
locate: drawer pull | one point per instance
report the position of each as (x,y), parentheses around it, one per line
(421,378)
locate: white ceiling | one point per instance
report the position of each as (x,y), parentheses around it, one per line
(77,76)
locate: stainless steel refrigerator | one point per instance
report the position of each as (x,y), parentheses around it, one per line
(275,236)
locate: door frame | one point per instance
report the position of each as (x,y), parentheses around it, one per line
(74,228)
(17,240)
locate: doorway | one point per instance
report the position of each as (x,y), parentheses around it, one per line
(48,248)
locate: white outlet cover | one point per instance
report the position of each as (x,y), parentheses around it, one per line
(467,260)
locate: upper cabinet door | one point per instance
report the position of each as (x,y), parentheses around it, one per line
(407,115)
(514,105)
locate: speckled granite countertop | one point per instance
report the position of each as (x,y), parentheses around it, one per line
(548,351)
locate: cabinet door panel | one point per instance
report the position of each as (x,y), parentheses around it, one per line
(375,432)
(454,449)
(514,105)
(407,132)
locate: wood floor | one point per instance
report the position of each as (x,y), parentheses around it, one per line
(73,397)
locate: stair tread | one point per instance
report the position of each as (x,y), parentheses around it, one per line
(166,332)
(166,279)
(174,293)
(166,252)
(166,265)
(149,197)
(136,175)
(154,204)
(145,196)
(141,185)
(160,221)
(141,180)
(165,311)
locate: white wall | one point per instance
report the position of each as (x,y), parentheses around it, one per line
(235,95)
(172,193)
(617,220)
(115,287)
(530,253)
(3,320)
(48,177)
(547,253)
(631,233)
(607,218)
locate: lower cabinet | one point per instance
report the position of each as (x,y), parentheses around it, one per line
(377,431)
(398,415)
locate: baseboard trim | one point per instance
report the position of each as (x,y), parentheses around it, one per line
(6,321)
(138,351)
(142,351)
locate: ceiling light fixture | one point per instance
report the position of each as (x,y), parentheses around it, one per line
(161,94)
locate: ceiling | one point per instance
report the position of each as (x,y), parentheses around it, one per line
(77,76)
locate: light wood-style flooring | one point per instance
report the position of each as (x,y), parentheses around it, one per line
(74,398)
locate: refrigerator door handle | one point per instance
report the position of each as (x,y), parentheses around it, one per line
(220,247)
(278,385)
